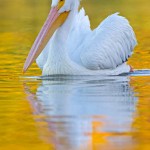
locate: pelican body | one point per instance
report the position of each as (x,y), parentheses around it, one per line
(66,44)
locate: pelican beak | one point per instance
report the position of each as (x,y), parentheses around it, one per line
(53,22)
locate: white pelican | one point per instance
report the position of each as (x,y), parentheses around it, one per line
(66,44)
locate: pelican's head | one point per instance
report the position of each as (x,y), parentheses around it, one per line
(68,5)
(60,10)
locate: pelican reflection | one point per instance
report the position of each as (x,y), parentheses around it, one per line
(82,110)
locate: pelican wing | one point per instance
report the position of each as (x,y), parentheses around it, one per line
(109,45)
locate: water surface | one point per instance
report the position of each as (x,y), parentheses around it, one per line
(72,112)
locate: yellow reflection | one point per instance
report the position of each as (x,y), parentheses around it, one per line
(141,124)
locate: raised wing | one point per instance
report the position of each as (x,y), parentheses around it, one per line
(110,45)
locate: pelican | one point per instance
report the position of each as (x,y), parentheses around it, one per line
(66,45)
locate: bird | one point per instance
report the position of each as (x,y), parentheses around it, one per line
(66,44)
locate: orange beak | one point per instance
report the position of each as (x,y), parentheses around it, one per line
(53,22)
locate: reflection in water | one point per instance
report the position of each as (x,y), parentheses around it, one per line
(84,112)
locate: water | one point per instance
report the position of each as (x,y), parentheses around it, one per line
(72,112)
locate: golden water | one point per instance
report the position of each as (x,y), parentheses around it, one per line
(84,113)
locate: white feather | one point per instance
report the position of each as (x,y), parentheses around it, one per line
(108,46)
